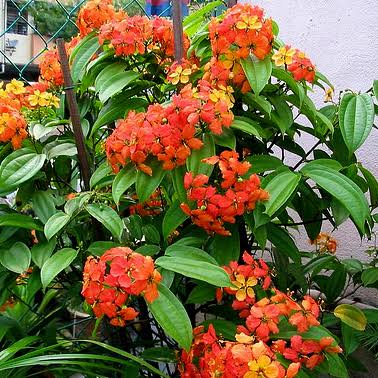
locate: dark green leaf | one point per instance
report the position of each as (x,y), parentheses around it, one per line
(186,251)
(21,221)
(16,258)
(56,223)
(173,218)
(145,184)
(42,251)
(43,205)
(226,248)
(263,163)
(194,163)
(148,250)
(123,180)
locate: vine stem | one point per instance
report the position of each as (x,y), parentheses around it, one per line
(74,113)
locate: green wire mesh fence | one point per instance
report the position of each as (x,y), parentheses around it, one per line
(28,27)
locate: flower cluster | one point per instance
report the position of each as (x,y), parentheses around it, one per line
(181,72)
(296,62)
(243,31)
(153,206)
(325,243)
(50,68)
(254,354)
(169,133)
(235,195)
(110,280)
(96,13)
(139,34)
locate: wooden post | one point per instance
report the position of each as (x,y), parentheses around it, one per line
(74,113)
(178,31)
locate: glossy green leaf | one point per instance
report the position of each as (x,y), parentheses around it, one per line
(117,108)
(151,233)
(173,218)
(43,205)
(56,223)
(339,212)
(246,125)
(148,250)
(21,221)
(59,148)
(187,251)
(282,115)
(327,163)
(350,339)
(201,293)
(369,276)
(285,76)
(112,79)
(42,251)
(324,123)
(226,248)
(356,119)
(257,71)
(16,258)
(194,162)
(259,102)
(263,163)
(223,328)
(18,167)
(172,317)
(336,366)
(102,171)
(82,55)
(123,180)
(55,264)
(107,217)
(197,269)
(343,189)
(145,184)
(178,183)
(280,189)
(351,315)
(226,139)
(98,248)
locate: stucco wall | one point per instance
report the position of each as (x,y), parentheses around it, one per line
(341,37)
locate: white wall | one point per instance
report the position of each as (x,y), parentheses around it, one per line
(341,38)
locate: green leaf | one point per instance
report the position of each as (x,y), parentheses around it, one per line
(258,101)
(9,352)
(16,258)
(21,221)
(263,163)
(145,184)
(59,148)
(112,79)
(55,264)
(375,89)
(178,183)
(336,366)
(197,269)
(285,76)
(343,189)
(373,185)
(226,248)
(339,212)
(280,189)
(82,55)
(282,115)
(327,163)
(18,167)
(356,116)
(351,315)
(187,251)
(107,217)
(201,293)
(226,139)
(281,239)
(102,171)
(248,126)
(350,339)
(194,163)
(222,327)
(43,205)
(123,180)
(172,317)
(369,276)
(148,250)
(56,223)
(98,248)
(160,354)
(42,251)
(117,108)
(173,218)
(324,123)
(151,233)
(257,71)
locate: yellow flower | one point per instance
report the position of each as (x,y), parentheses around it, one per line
(4,118)
(328,95)
(16,87)
(243,338)
(224,94)
(52,100)
(180,75)
(263,367)
(284,56)
(245,288)
(248,22)
(38,99)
